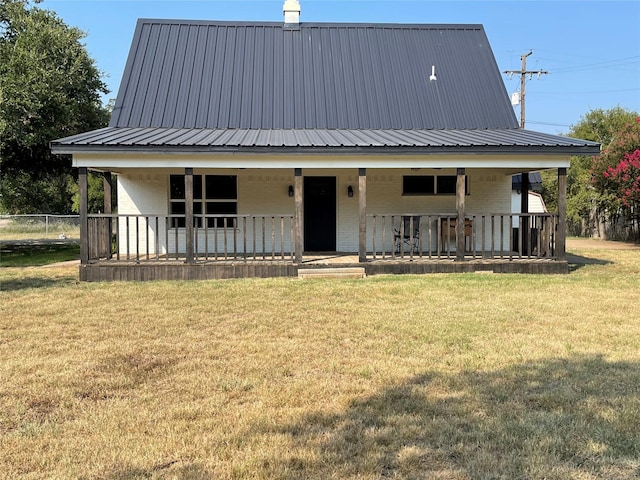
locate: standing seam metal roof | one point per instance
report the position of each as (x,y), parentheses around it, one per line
(213,139)
(265,76)
(220,86)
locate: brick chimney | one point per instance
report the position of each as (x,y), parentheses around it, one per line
(291,10)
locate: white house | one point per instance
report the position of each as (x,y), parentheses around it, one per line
(244,148)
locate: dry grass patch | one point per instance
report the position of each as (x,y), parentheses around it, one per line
(437,376)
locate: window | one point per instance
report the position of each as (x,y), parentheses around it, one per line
(446,184)
(220,197)
(431,185)
(418,185)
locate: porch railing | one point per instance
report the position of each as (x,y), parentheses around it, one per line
(272,237)
(215,237)
(487,236)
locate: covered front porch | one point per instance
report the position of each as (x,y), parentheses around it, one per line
(210,246)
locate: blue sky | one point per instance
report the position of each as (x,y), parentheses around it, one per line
(591,49)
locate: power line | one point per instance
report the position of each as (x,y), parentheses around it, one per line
(605,64)
(549,124)
(573,92)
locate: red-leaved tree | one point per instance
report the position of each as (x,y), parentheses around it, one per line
(616,176)
(624,179)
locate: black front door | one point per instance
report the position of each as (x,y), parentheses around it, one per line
(320,214)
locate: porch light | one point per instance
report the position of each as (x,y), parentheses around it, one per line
(291,190)
(350,191)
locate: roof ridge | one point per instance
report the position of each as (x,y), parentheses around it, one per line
(385,25)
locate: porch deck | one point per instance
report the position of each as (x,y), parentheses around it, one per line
(113,270)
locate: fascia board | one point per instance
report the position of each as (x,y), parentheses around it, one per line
(120,161)
(503,150)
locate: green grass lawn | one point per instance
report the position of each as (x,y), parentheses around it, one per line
(468,376)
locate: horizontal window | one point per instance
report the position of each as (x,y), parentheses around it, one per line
(418,185)
(431,184)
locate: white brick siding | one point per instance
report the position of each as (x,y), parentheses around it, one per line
(141,192)
(489,192)
(265,192)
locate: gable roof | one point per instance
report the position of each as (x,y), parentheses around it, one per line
(222,75)
(203,86)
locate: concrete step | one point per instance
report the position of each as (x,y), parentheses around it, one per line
(334,272)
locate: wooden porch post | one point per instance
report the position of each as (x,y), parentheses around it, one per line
(83,189)
(561,239)
(188,200)
(108,209)
(526,246)
(460,197)
(362,207)
(299,209)
(107,183)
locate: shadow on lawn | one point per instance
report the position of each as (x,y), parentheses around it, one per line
(578,261)
(559,418)
(16,284)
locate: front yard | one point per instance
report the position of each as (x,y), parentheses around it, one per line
(463,376)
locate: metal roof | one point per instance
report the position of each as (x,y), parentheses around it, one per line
(200,86)
(535,181)
(271,76)
(498,141)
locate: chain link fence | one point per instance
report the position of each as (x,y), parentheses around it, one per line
(39,226)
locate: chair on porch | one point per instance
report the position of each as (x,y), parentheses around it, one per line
(448,233)
(404,234)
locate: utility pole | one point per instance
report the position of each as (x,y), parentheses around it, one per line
(523,75)
(525,241)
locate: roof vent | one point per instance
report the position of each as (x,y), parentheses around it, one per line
(291,9)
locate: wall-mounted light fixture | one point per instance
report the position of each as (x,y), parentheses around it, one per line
(350,191)
(291,190)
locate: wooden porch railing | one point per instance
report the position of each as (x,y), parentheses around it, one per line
(273,237)
(215,237)
(487,236)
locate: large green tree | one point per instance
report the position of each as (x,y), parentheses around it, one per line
(49,88)
(587,203)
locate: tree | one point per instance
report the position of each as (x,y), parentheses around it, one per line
(49,88)
(602,126)
(586,202)
(95,194)
(623,180)
(579,193)
(616,176)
